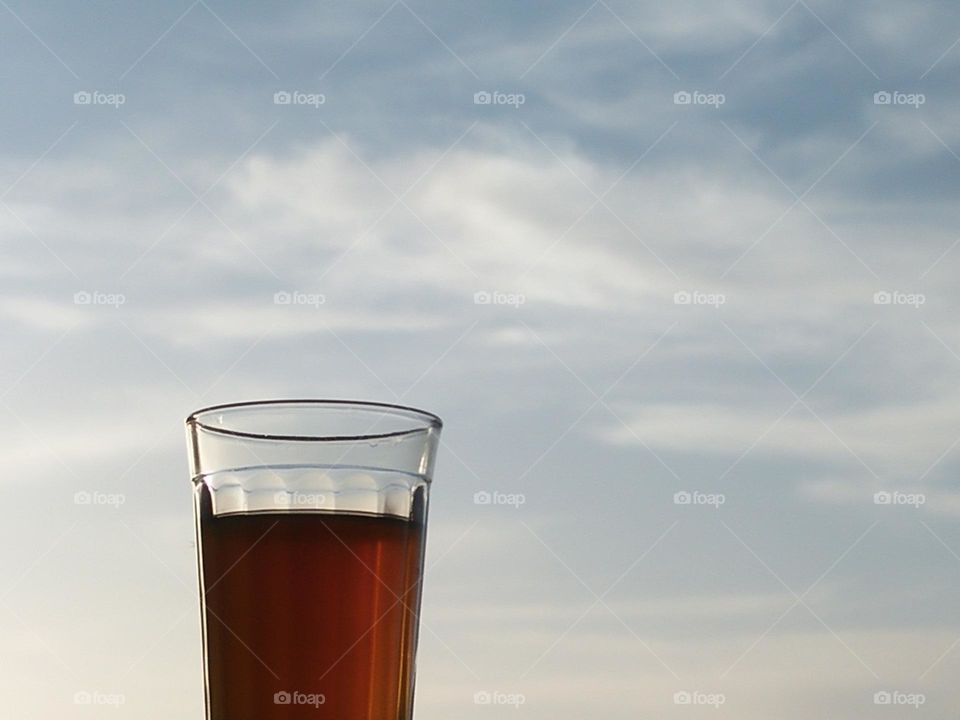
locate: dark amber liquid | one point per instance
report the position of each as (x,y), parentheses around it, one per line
(309,615)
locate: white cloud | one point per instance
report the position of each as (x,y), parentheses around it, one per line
(32,313)
(897,441)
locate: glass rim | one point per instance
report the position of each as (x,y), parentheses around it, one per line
(428,420)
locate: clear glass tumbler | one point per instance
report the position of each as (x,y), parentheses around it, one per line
(310,519)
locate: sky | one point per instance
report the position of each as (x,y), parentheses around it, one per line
(679,277)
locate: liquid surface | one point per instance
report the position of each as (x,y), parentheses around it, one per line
(310,614)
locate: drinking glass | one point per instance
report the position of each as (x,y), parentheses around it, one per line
(310,520)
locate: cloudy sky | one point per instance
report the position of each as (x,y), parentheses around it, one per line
(634,254)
